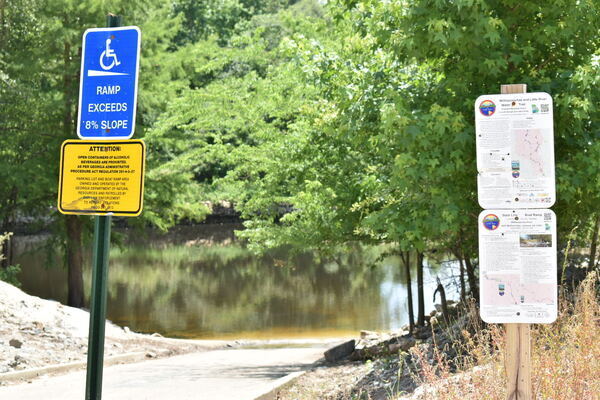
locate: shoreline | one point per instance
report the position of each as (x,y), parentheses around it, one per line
(38,334)
(41,337)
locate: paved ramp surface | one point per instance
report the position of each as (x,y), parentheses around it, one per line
(235,374)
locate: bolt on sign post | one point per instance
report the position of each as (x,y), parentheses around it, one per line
(517,230)
(103,175)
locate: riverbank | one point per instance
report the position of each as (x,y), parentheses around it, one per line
(198,282)
(37,333)
(464,359)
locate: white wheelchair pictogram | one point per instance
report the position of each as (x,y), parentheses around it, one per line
(109,54)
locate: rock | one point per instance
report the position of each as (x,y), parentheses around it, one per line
(340,352)
(18,360)
(150,354)
(361,344)
(16,343)
(126,329)
(433,321)
(402,344)
(422,333)
(155,334)
(38,325)
(368,353)
(399,333)
(368,335)
(432,314)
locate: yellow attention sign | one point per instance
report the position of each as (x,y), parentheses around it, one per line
(102,177)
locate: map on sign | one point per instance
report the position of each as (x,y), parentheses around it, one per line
(108,87)
(517,254)
(515,150)
(102,177)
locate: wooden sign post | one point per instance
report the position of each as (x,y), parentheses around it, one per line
(517,229)
(517,361)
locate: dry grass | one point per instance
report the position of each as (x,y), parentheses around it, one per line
(565,357)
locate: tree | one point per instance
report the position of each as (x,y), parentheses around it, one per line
(40,65)
(386,150)
(220,18)
(551,46)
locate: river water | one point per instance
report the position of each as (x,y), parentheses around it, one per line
(200,282)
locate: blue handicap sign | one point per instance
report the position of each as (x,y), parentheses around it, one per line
(108,88)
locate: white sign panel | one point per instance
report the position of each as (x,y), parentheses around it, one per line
(517,256)
(515,150)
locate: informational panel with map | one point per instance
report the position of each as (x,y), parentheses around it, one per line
(515,150)
(517,266)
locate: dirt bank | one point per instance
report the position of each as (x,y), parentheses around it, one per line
(37,333)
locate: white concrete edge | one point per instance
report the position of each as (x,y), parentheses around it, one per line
(68,367)
(271,392)
(200,343)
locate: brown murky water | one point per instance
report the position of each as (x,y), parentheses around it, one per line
(199,282)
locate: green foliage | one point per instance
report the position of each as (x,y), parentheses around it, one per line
(9,274)
(323,126)
(386,150)
(470,48)
(203,19)
(239,96)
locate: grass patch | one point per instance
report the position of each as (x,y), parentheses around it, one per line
(565,357)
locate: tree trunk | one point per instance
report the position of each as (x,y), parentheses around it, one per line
(420,293)
(442,291)
(463,288)
(7,252)
(594,245)
(8,225)
(473,287)
(405,255)
(74,261)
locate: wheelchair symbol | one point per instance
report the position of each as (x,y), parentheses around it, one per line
(109,54)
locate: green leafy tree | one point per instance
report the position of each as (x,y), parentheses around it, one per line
(203,19)
(40,74)
(387,152)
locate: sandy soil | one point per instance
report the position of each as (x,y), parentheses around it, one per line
(36,333)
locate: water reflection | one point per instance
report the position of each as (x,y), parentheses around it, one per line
(196,283)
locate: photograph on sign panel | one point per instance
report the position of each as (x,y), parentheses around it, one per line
(535,240)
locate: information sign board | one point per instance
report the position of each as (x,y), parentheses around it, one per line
(102,177)
(517,266)
(108,85)
(515,150)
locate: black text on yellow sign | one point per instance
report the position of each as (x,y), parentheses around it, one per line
(102,177)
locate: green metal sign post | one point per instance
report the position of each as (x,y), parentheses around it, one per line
(95,360)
